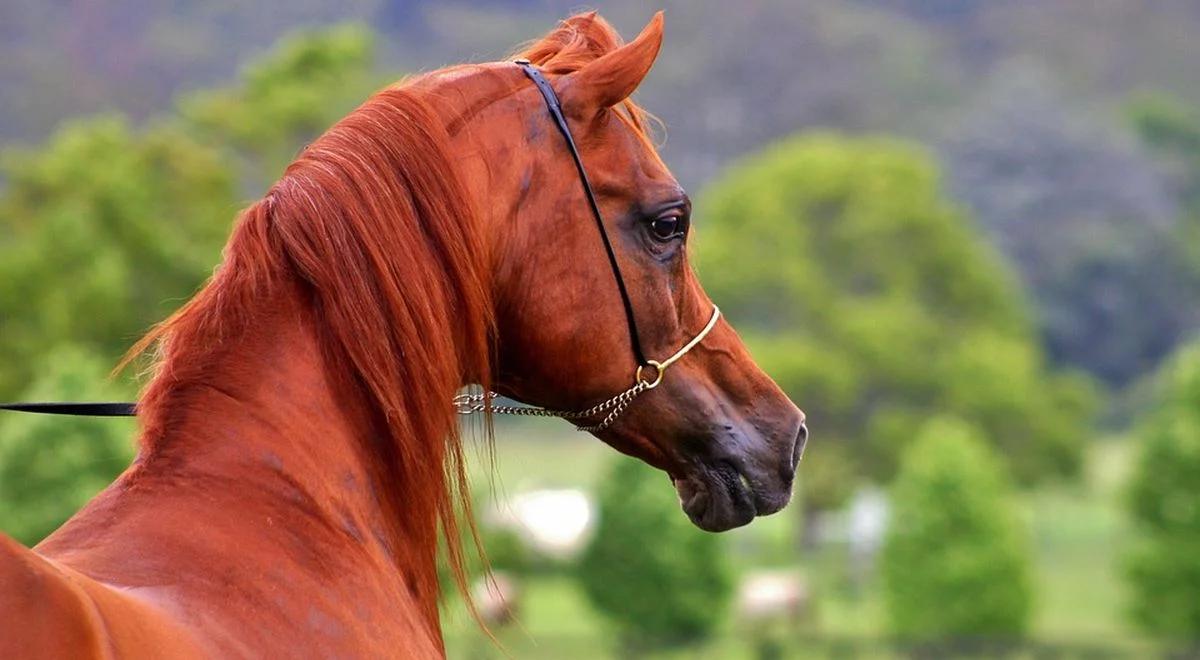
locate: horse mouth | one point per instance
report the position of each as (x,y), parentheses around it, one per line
(720,497)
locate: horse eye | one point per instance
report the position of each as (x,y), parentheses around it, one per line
(666,227)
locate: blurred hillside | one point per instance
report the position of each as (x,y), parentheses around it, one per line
(1025,102)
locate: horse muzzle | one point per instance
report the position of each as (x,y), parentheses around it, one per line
(748,475)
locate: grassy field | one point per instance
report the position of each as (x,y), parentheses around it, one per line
(1076,530)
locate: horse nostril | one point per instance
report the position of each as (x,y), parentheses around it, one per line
(798,445)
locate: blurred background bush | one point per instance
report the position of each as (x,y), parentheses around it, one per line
(964,236)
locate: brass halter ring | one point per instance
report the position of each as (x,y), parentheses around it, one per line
(658,374)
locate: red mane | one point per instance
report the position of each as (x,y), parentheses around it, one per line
(374,226)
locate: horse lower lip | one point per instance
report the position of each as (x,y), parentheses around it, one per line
(717,501)
(741,491)
(744,482)
(689,493)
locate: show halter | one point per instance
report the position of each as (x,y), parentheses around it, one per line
(468,404)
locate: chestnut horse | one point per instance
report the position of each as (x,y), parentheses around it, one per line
(299,453)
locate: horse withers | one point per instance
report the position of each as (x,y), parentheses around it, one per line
(298,451)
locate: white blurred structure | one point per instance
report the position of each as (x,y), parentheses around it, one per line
(861,526)
(498,599)
(866,523)
(554,523)
(772,596)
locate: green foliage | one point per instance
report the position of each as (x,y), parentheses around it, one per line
(506,551)
(1172,128)
(290,96)
(1172,131)
(1163,568)
(874,303)
(657,579)
(105,231)
(49,465)
(955,562)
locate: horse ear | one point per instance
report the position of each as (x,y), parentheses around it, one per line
(611,78)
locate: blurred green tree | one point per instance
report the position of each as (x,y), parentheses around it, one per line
(658,579)
(104,232)
(281,102)
(1163,567)
(1171,129)
(956,566)
(50,466)
(875,304)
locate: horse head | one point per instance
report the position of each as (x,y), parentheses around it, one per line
(726,434)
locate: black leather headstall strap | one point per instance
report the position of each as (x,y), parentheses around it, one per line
(84,409)
(555,108)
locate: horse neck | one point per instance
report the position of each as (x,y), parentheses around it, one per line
(270,414)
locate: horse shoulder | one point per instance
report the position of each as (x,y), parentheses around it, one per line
(43,614)
(50,611)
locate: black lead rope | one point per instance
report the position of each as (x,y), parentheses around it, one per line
(85,409)
(555,108)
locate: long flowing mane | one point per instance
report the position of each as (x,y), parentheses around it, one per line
(374,227)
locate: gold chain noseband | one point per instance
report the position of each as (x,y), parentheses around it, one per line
(469,404)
